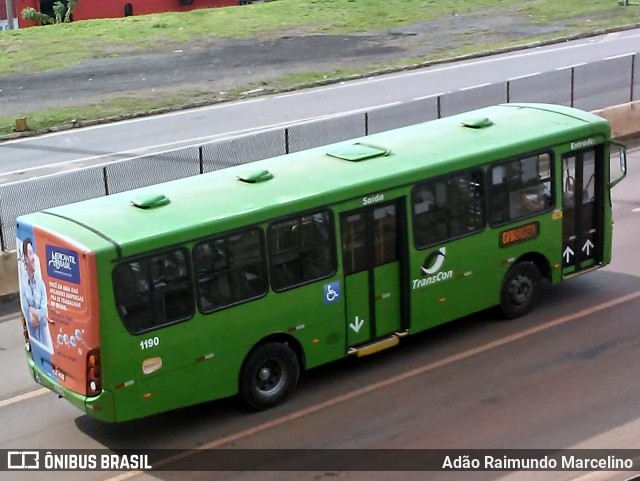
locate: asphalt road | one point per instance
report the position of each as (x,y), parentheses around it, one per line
(560,377)
(89,146)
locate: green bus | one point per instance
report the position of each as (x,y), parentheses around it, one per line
(236,281)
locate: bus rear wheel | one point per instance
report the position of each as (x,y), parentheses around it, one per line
(269,375)
(520,290)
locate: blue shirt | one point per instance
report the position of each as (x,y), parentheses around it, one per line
(33,294)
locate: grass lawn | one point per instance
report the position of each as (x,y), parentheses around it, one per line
(39,49)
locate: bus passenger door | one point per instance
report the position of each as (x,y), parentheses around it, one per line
(582,210)
(373,243)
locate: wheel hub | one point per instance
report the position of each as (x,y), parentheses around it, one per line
(521,289)
(264,374)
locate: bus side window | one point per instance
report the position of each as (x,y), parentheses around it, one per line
(315,243)
(153,291)
(499,198)
(301,250)
(131,290)
(284,258)
(447,208)
(247,263)
(354,248)
(173,286)
(210,264)
(230,269)
(429,217)
(520,188)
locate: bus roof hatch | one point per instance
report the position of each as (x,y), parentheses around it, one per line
(150,201)
(256,177)
(479,123)
(358,151)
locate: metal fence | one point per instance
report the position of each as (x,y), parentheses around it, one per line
(610,82)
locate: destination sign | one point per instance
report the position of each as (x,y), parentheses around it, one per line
(519,234)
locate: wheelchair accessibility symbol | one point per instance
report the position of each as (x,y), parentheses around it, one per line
(332,292)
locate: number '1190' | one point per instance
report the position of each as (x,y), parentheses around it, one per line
(147,343)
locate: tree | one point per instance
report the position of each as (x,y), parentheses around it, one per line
(62,13)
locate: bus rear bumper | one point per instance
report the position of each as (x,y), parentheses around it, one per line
(100,407)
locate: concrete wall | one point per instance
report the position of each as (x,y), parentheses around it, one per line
(8,276)
(624,119)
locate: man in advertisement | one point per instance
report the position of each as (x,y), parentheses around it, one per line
(33,295)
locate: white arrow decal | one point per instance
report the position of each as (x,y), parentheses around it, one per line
(568,252)
(358,324)
(586,248)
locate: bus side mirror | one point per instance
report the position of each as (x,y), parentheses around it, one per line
(622,158)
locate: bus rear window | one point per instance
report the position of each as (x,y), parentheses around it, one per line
(154,291)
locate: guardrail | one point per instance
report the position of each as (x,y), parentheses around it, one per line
(616,82)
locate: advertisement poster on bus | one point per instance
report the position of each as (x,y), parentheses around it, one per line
(58,299)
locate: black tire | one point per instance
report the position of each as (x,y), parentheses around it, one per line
(520,290)
(269,375)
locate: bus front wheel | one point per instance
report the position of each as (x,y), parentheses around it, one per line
(520,290)
(269,375)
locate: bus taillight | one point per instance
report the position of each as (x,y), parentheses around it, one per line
(94,380)
(25,333)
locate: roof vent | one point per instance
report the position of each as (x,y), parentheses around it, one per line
(150,201)
(256,177)
(480,123)
(359,151)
